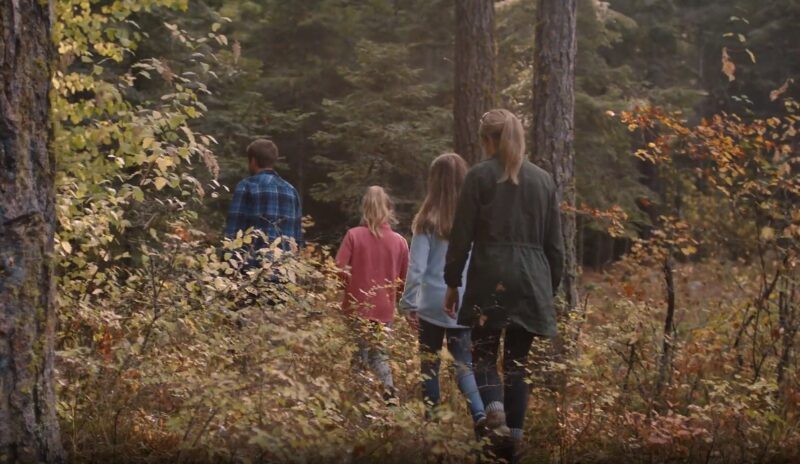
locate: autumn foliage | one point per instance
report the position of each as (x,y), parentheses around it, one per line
(173,347)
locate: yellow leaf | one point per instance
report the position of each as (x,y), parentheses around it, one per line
(767,233)
(160,182)
(189,134)
(751,55)
(66,247)
(164,163)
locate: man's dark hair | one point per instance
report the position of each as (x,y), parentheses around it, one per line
(264,151)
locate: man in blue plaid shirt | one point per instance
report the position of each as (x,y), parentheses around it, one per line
(265,201)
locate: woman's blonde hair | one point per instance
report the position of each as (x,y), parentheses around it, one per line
(505,130)
(445,178)
(377,209)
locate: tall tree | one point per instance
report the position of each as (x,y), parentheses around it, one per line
(28,425)
(474,74)
(554,113)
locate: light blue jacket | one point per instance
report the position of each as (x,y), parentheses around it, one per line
(425,288)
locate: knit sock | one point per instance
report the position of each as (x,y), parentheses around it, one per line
(495,406)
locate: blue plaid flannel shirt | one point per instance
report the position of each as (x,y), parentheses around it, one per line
(267,202)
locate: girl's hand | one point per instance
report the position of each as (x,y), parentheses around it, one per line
(413,319)
(451,302)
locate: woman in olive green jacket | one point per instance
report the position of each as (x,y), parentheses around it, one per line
(508,215)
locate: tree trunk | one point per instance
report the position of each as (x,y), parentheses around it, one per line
(28,425)
(668,342)
(474,74)
(553,116)
(787,319)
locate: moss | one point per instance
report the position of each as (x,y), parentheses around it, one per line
(38,356)
(29,292)
(43,68)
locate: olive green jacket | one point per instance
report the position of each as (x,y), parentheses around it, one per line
(514,232)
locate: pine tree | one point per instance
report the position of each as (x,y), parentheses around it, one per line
(553,116)
(29,429)
(474,73)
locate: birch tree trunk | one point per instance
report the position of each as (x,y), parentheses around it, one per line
(28,424)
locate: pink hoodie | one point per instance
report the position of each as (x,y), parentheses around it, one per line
(374,268)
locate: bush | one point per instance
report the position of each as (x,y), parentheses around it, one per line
(194,356)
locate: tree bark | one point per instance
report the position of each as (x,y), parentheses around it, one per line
(787,320)
(28,425)
(668,342)
(553,117)
(474,73)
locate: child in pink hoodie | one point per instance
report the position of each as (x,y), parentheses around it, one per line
(373,259)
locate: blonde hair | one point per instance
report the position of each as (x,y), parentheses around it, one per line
(445,178)
(376,210)
(505,130)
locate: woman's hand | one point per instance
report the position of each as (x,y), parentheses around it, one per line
(413,319)
(451,302)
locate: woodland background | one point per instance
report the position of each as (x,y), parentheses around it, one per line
(683,345)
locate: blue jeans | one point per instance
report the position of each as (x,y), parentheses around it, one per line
(372,353)
(458,343)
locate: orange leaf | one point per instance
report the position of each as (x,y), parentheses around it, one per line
(775,94)
(728,67)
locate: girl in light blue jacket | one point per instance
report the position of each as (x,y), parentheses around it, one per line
(424,295)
